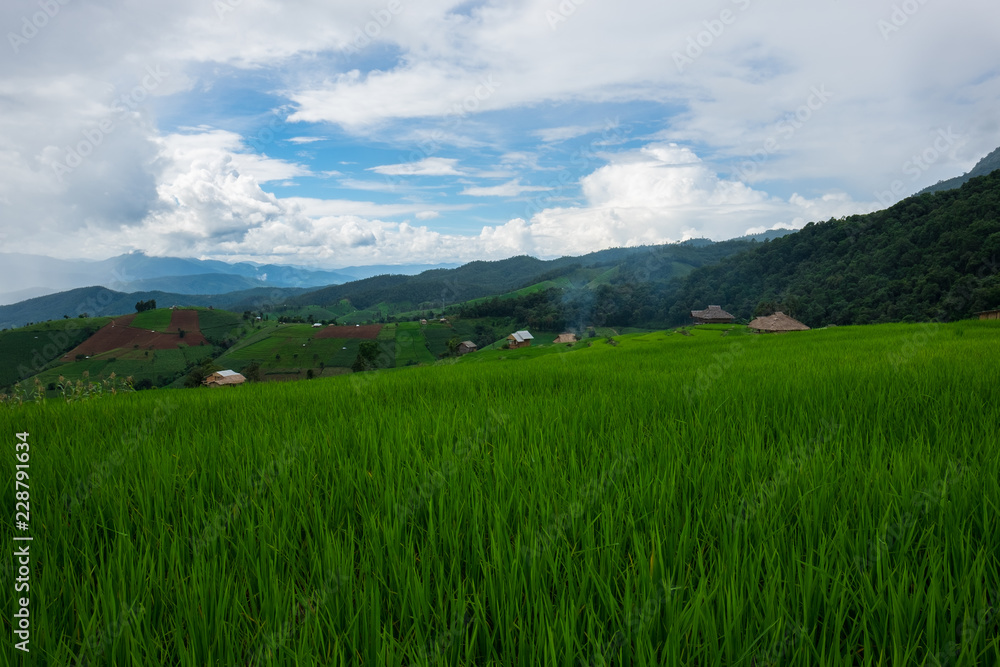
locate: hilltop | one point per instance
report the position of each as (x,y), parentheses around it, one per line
(987,165)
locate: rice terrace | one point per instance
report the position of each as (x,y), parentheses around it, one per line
(500,334)
(125,332)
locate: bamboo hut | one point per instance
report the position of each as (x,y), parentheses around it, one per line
(223,378)
(777,323)
(519,339)
(712,315)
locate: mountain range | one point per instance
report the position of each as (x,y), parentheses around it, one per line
(780,266)
(30,276)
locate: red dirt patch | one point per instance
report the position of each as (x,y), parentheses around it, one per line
(187,320)
(366,331)
(119,334)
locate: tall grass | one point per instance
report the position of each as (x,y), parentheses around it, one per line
(805,499)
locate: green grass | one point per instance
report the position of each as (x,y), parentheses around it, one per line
(153,320)
(411,345)
(297,348)
(827,497)
(215,325)
(156,366)
(436,336)
(26,351)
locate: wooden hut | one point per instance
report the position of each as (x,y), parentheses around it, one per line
(222,378)
(565,338)
(712,315)
(989,315)
(466,346)
(519,339)
(777,323)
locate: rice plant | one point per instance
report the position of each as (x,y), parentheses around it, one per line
(820,498)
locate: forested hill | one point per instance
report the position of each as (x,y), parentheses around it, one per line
(987,165)
(930,256)
(480,279)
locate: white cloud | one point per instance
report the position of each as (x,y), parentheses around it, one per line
(663,193)
(482,78)
(509,189)
(432,166)
(556,134)
(427,215)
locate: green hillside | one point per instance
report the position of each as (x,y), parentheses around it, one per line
(440,287)
(719,498)
(27,351)
(987,165)
(934,256)
(929,257)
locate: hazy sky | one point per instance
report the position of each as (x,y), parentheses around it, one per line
(343,133)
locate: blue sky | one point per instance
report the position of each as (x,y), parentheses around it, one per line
(280,132)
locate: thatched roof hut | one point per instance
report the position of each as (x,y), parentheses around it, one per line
(222,378)
(565,338)
(777,323)
(989,315)
(466,346)
(712,315)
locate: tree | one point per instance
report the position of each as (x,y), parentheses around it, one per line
(198,374)
(453,344)
(367,357)
(252,372)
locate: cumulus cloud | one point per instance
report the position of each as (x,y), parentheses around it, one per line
(115,80)
(663,193)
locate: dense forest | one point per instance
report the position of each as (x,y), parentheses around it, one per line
(930,257)
(441,287)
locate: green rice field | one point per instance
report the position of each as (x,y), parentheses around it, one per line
(137,364)
(828,497)
(154,320)
(215,325)
(411,345)
(26,351)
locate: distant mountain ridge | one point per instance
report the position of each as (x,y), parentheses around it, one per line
(987,165)
(100,301)
(469,281)
(30,276)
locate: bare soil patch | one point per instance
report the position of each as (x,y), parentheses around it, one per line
(119,334)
